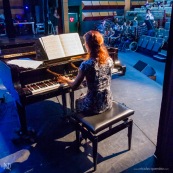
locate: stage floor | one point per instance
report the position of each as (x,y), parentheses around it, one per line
(54,150)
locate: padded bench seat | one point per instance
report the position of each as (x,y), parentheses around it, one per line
(90,125)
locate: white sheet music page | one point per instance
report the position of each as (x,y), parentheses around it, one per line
(26,63)
(71,44)
(52,47)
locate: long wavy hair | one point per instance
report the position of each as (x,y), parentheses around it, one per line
(96,48)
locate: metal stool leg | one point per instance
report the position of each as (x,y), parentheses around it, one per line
(95,146)
(77,139)
(130,134)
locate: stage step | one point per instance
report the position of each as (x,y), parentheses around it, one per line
(161,56)
(163,53)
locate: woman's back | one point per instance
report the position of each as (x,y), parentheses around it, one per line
(98,77)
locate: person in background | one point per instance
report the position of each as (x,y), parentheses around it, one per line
(147,5)
(149,21)
(149,15)
(124,27)
(108,32)
(128,27)
(102,27)
(135,22)
(55,19)
(115,37)
(160,4)
(116,21)
(116,26)
(96,69)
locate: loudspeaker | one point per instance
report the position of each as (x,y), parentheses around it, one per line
(140,65)
(148,71)
(145,68)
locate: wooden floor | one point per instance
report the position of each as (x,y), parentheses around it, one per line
(54,150)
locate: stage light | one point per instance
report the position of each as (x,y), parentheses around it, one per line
(26,7)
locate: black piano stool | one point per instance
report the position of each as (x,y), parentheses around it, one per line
(90,125)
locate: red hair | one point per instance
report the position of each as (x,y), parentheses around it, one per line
(97,49)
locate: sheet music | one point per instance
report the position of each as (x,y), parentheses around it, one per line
(72,44)
(63,45)
(52,47)
(26,63)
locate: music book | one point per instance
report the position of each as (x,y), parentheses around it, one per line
(63,45)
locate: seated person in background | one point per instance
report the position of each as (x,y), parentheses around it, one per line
(116,20)
(128,28)
(116,26)
(149,15)
(101,28)
(146,3)
(115,38)
(97,72)
(135,22)
(124,27)
(160,5)
(165,3)
(108,32)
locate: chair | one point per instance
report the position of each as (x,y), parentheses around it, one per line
(40,28)
(157,46)
(145,41)
(140,40)
(100,126)
(151,43)
(167,25)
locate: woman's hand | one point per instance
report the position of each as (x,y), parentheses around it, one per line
(74,83)
(62,79)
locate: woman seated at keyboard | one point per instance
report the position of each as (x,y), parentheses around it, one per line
(97,72)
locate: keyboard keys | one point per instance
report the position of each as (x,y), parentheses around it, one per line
(43,86)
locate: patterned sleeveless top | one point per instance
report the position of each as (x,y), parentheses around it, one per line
(98,77)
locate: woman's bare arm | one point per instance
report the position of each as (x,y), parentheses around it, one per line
(72,83)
